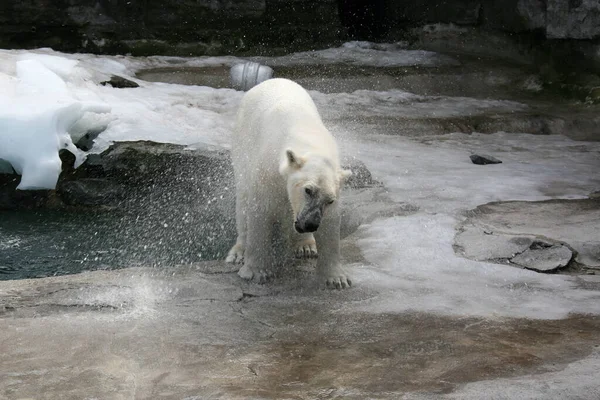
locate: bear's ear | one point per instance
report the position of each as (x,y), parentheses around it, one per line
(345,174)
(291,161)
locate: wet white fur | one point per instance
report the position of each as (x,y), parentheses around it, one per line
(276,117)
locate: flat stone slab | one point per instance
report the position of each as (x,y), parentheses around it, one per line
(505,230)
(544,257)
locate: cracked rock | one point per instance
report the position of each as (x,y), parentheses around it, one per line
(544,257)
(515,225)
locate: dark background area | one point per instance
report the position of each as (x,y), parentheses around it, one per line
(227,26)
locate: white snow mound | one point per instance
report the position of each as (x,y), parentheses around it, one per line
(37,110)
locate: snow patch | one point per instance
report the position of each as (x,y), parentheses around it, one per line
(36,113)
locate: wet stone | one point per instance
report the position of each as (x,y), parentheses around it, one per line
(544,257)
(484,159)
(91,192)
(120,82)
(513,230)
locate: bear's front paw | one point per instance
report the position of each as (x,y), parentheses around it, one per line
(258,276)
(306,249)
(337,279)
(236,255)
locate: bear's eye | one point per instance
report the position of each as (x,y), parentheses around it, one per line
(330,202)
(308,191)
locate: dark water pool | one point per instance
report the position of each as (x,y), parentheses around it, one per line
(46,243)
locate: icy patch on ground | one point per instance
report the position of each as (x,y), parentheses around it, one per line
(416,269)
(438,175)
(412,258)
(401,104)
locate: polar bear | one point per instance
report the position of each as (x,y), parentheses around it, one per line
(287,172)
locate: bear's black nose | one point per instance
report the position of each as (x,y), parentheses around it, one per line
(306,227)
(311,227)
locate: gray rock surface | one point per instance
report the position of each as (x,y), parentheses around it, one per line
(544,257)
(576,19)
(533,13)
(463,12)
(510,230)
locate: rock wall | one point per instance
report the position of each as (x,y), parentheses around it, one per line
(556,19)
(185,27)
(151,27)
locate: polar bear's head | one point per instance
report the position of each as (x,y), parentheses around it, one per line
(313,185)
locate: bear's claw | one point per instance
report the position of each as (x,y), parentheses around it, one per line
(338,281)
(306,249)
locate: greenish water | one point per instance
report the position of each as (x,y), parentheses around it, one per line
(44,243)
